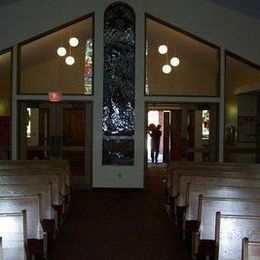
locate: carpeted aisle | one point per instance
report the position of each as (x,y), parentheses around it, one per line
(119,225)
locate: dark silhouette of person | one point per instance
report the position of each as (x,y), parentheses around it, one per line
(155,143)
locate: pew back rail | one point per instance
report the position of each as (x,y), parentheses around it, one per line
(250,249)
(230,230)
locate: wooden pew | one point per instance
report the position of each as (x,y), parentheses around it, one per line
(189,221)
(221,180)
(1,249)
(58,200)
(177,165)
(177,169)
(230,230)
(208,180)
(49,215)
(26,177)
(58,164)
(213,168)
(28,189)
(36,237)
(58,168)
(236,180)
(48,171)
(185,165)
(208,206)
(238,174)
(195,190)
(250,249)
(14,236)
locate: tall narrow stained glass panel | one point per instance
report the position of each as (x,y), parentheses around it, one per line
(118,124)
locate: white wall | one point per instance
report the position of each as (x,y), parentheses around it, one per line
(229,30)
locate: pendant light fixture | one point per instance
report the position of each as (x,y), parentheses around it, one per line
(61,51)
(74,42)
(162,49)
(166,68)
(69,59)
(175,61)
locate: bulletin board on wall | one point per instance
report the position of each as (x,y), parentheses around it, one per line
(5,130)
(246,129)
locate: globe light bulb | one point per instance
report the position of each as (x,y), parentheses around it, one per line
(163,49)
(166,68)
(73,41)
(70,60)
(61,51)
(175,61)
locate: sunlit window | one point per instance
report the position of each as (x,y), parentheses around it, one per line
(205,124)
(29,123)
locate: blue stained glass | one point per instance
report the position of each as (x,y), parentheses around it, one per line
(119,85)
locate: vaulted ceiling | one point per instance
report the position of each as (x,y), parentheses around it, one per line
(248,7)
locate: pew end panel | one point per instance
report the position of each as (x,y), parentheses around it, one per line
(1,249)
(176,169)
(36,243)
(13,233)
(208,206)
(230,230)
(250,249)
(48,216)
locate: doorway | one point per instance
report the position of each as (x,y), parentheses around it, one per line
(57,130)
(155,117)
(189,131)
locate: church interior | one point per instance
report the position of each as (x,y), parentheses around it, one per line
(83,85)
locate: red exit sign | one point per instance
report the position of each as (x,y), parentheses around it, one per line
(54,96)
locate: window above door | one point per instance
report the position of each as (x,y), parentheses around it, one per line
(60,61)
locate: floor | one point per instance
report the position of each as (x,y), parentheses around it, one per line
(114,224)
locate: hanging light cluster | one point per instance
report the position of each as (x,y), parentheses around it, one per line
(174,61)
(61,51)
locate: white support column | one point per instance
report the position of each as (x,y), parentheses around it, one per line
(118,176)
(98,96)
(140,116)
(222,106)
(14,104)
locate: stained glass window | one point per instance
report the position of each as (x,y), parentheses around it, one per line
(119,85)
(88,67)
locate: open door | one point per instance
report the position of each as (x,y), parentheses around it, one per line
(190,131)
